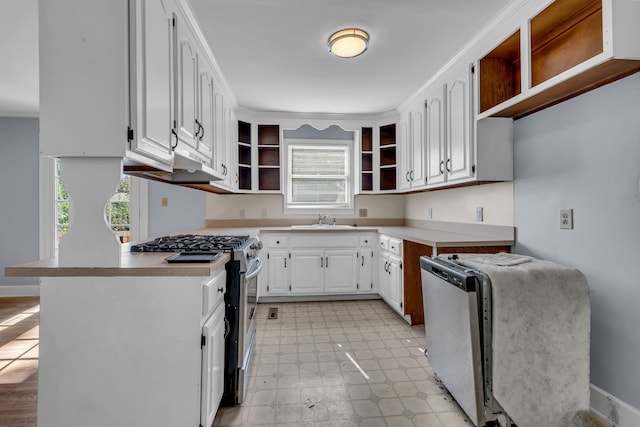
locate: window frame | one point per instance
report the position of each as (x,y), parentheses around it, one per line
(349,206)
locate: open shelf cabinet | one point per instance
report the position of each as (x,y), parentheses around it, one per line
(572,46)
(269,157)
(244,155)
(388,157)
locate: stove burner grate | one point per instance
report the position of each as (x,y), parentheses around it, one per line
(192,243)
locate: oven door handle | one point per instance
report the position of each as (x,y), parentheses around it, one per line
(255,271)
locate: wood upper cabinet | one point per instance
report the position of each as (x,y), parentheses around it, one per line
(571,47)
(152,84)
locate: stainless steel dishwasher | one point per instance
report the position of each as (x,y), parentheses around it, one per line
(457,318)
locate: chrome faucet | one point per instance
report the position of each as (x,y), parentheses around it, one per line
(321,218)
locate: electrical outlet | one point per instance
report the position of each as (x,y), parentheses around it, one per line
(566,219)
(164,202)
(479,214)
(430,213)
(362,212)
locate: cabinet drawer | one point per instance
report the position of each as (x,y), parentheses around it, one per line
(213,291)
(395,246)
(384,242)
(324,240)
(366,241)
(278,241)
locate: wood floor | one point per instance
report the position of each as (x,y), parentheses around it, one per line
(19,323)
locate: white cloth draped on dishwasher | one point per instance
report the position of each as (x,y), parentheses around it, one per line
(541,338)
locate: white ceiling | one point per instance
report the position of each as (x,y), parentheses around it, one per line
(273,53)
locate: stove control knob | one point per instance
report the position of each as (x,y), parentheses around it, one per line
(257,245)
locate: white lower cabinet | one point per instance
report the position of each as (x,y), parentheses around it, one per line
(331,271)
(307,271)
(212,366)
(319,263)
(390,278)
(278,277)
(366,257)
(154,326)
(212,342)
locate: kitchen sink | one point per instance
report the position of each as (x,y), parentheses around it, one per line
(327,227)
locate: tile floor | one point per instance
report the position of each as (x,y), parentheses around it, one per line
(343,364)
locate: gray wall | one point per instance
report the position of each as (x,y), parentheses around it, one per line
(18,195)
(585,154)
(185,210)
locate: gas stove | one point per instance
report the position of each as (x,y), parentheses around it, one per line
(243,248)
(202,243)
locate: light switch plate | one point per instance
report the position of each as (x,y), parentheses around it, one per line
(566,219)
(479,214)
(430,213)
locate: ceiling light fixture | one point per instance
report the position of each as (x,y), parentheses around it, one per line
(348,43)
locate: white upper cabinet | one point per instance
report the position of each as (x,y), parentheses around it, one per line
(458,164)
(435,135)
(187,85)
(152,83)
(404,153)
(412,149)
(219,143)
(205,121)
(417,147)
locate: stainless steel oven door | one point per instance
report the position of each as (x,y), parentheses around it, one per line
(246,337)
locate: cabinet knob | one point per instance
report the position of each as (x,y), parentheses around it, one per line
(277,242)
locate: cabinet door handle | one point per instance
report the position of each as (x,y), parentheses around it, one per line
(441,165)
(174,133)
(198,129)
(321,262)
(326,262)
(411,175)
(201,133)
(406,177)
(363,260)
(448,165)
(285,263)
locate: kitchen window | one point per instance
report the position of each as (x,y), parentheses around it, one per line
(318,177)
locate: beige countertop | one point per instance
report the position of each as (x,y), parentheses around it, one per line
(432,233)
(132,264)
(439,235)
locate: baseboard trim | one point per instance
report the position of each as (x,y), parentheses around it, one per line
(612,409)
(312,298)
(19,291)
